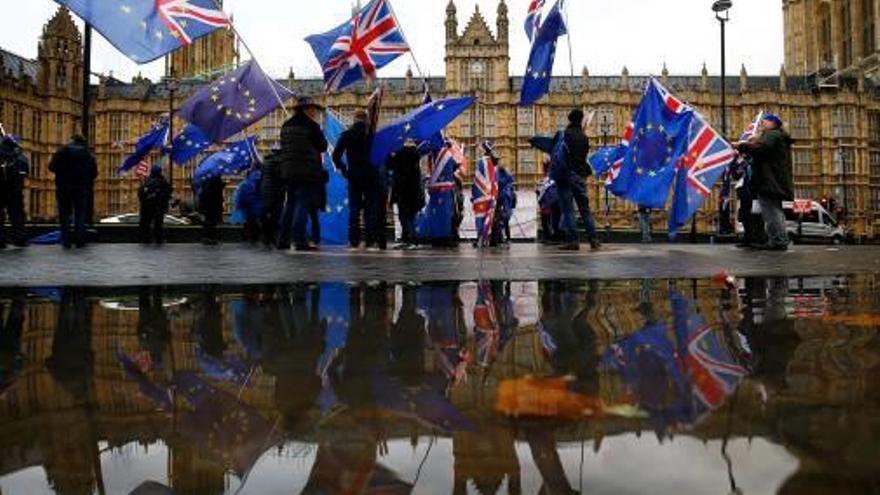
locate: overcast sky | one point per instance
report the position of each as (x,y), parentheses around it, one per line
(606,35)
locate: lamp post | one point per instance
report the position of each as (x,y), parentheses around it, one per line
(173,85)
(606,129)
(721,8)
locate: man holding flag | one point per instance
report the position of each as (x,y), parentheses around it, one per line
(572,183)
(772,177)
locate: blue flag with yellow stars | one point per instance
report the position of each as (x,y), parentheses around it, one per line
(188,144)
(155,139)
(234,160)
(659,142)
(234,102)
(536,83)
(334,220)
(605,157)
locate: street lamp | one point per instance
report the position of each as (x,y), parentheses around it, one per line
(606,129)
(173,85)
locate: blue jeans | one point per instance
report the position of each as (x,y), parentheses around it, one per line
(295,218)
(645,224)
(774,221)
(572,194)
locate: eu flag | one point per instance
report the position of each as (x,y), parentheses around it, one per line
(334,221)
(189,143)
(537,78)
(234,102)
(147,143)
(234,160)
(605,157)
(145,30)
(659,142)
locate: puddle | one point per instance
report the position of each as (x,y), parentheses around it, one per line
(657,386)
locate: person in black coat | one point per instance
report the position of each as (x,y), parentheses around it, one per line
(75,171)
(154,196)
(211,207)
(363,182)
(302,169)
(407,189)
(14,169)
(272,190)
(573,189)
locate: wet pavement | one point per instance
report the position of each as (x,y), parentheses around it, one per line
(757,385)
(113,265)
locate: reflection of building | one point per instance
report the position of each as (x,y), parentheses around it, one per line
(835,154)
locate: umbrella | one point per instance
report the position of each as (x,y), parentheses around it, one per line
(420,125)
(543,143)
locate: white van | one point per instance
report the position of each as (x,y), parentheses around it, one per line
(818,225)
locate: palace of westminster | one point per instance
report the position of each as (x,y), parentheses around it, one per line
(828,92)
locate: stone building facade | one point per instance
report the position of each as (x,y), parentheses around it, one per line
(836,127)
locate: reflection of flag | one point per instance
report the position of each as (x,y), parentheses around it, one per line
(707,158)
(234,102)
(710,365)
(486,327)
(334,309)
(145,30)
(484,195)
(161,397)
(659,141)
(334,221)
(356,49)
(536,82)
(421,403)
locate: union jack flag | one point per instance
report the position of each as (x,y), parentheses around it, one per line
(713,372)
(142,170)
(443,170)
(145,30)
(177,14)
(706,160)
(358,48)
(484,196)
(533,18)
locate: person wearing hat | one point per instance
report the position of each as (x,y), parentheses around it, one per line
(772,177)
(154,196)
(572,190)
(14,169)
(407,190)
(302,170)
(352,158)
(75,171)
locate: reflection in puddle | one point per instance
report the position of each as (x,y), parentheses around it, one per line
(494,387)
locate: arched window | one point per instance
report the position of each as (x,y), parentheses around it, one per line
(61,77)
(825,34)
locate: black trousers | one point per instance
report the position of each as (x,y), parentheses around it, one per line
(72,214)
(152,224)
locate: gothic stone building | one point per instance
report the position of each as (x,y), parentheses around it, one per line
(835,118)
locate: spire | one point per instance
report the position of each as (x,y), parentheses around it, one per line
(503,23)
(704,78)
(783,78)
(451,23)
(664,74)
(743,79)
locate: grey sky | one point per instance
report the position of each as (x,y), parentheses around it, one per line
(606,34)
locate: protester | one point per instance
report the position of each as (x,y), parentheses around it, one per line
(753,224)
(506,202)
(351,158)
(407,190)
(573,184)
(458,210)
(211,208)
(772,177)
(272,191)
(75,171)
(548,208)
(154,196)
(14,169)
(249,209)
(319,205)
(645,224)
(302,143)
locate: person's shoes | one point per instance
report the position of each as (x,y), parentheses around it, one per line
(570,247)
(80,245)
(399,246)
(595,245)
(411,247)
(305,249)
(373,249)
(744,245)
(20,244)
(283,247)
(779,247)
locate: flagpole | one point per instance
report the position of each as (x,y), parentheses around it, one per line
(570,52)
(86,81)
(403,35)
(254,58)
